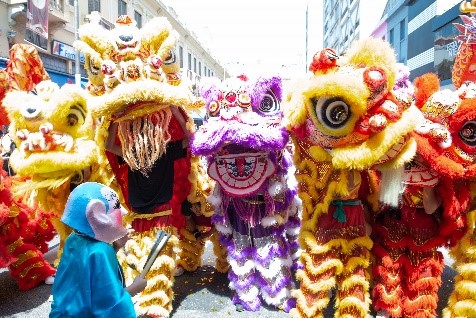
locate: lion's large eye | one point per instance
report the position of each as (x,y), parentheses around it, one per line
(468,133)
(269,104)
(332,111)
(170,58)
(76,115)
(30,111)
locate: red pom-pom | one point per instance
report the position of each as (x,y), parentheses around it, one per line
(324,60)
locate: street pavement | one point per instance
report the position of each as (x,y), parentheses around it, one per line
(203,293)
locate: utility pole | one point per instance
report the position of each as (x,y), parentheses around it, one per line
(77,62)
(307,34)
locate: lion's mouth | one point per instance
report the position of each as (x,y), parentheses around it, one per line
(466,157)
(126,46)
(396,149)
(44,140)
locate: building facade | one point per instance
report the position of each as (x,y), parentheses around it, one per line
(58,56)
(348,20)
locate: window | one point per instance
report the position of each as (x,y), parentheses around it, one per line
(204,70)
(195,65)
(403,30)
(138,18)
(189,61)
(180,52)
(93,5)
(71,2)
(121,7)
(390,37)
(200,68)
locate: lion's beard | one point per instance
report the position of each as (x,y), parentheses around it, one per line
(392,186)
(144,141)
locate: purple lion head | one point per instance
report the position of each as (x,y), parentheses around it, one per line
(243,133)
(244,113)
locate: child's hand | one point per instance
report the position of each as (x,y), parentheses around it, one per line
(137,285)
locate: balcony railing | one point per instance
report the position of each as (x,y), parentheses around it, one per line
(56,5)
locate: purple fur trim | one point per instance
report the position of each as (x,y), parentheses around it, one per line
(286,161)
(288,198)
(289,304)
(274,251)
(218,219)
(294,246)
(209,90)
(240,283)
(261,87)
(225,240)
(240,256)
(293,222)
(214,136)
(255,306)
(297,265)
(283,282)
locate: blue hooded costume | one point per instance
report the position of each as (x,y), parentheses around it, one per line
(89,280)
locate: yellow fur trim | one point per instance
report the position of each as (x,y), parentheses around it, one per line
(373,51)
(313,310)
(323,285)
(55,162)
(144,91)
(221,253)
(319,154)
(368,153)
(352,307)
(355,262)
(351,281)
(463,308)
(202,186)
(294,104)
(326,265)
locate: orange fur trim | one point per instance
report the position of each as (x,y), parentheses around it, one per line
(425,86)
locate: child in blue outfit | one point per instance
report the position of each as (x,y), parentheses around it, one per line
(89,280)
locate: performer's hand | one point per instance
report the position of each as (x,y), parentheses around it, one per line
(137,285)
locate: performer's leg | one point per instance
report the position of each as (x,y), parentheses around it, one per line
(423,279)
(191,251)
(462,301)
(274,262)
(353,299)
(390,234)
(220,251)
(387,275)
(29,268)
(156,299)
(292,235)
(317,278)
(242,273)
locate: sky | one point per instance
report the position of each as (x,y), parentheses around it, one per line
(259,36)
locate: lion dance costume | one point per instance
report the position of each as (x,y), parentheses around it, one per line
(192,244)
(24,231)
(53,133)
(134,83)
(461,123)
(256,207)
(431,212)
(344,120)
